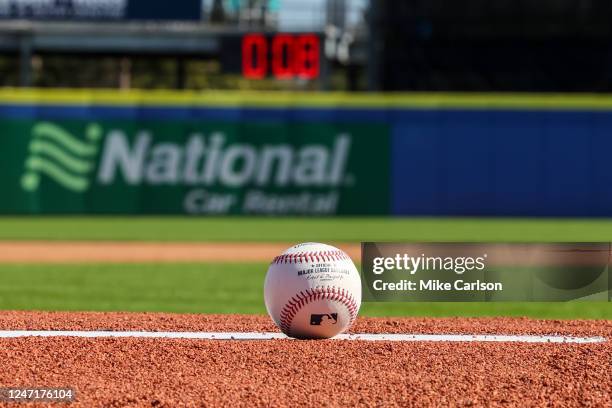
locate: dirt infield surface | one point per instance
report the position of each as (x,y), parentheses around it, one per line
(111,252)
(135,251)
(165,372)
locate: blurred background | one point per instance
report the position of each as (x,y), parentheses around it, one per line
(413,45)
(191,44)
(380,120)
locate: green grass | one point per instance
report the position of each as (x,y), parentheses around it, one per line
(303,229)
(237,288)
(205,288)
(212,288)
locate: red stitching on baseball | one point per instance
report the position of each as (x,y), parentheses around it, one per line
(292,307)
(299,257)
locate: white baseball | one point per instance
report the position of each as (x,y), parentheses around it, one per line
(312,291)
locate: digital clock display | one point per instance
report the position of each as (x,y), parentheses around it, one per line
(283,56)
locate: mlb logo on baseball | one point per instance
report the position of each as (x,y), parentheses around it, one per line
(319,319)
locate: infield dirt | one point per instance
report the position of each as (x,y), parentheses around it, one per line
(111,252)
(163,372)
(117,372)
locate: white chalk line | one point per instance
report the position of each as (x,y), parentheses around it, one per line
(276,336)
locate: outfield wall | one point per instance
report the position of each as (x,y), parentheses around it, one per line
(111,152)
(503,162)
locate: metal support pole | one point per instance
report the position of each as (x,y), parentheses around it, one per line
(375,45)
(25,61)
(324,67)
(181,73)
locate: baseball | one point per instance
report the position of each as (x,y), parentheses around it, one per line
(312,291)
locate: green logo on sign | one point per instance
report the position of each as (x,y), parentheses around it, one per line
(60,156)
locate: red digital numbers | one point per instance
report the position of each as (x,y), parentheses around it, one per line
(254,56)
(287,56)
(307,56)
(283,56)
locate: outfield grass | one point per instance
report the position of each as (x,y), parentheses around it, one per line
(303,229)
(237,288)
(212,288)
